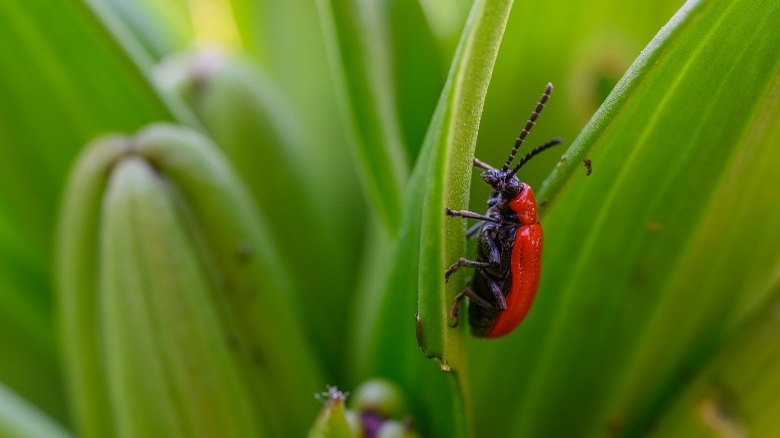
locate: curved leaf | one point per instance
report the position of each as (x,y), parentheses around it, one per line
(418,69)
(735,394)
(70,81)
(30,364)
(28,343)
(18,419)
(355,34)
(161,27)
(287,40)
(70,77)
(583,47)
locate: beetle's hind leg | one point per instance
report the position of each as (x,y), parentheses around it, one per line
(476,299)
(464,262)
(496,290)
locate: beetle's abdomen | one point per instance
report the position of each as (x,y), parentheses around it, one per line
(523,281)
(481,319)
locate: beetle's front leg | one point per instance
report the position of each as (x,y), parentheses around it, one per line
(482,165)
(464,262)
(470,215)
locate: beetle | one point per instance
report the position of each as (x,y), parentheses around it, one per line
(509,251)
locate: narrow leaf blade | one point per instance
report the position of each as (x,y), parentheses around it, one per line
(354,32)
(425,242)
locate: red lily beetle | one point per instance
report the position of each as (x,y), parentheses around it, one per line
(509,255)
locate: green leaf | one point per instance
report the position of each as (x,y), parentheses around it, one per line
(426,242)
(418,69)
(640,258)
(357,45)
(70,82)
(583,48)
(30,364)
(162,27)
(19,419)
(736,392)
(287,40)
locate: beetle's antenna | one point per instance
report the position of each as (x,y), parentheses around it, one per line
(528,125)
(531,154)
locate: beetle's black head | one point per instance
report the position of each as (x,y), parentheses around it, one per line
(508,185)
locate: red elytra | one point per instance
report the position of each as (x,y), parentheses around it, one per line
(525,265)
(509,256)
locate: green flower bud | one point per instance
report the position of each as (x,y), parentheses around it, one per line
(332,420)
(355,425)
(380,396)
(396,429)
(177,318)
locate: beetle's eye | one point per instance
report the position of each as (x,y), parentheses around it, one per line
(513,186)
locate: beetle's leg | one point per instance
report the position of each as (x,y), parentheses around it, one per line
(470,214)
(474,230)
(476,299)
(494,255)
(496,289)
(482,164)
(456,307)
(464,262)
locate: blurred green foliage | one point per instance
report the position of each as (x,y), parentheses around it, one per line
(345,127)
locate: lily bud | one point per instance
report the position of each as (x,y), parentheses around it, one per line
(396,429)
(332,420)
(177,317)
(381,396)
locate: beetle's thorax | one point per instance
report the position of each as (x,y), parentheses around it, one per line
(513,201)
